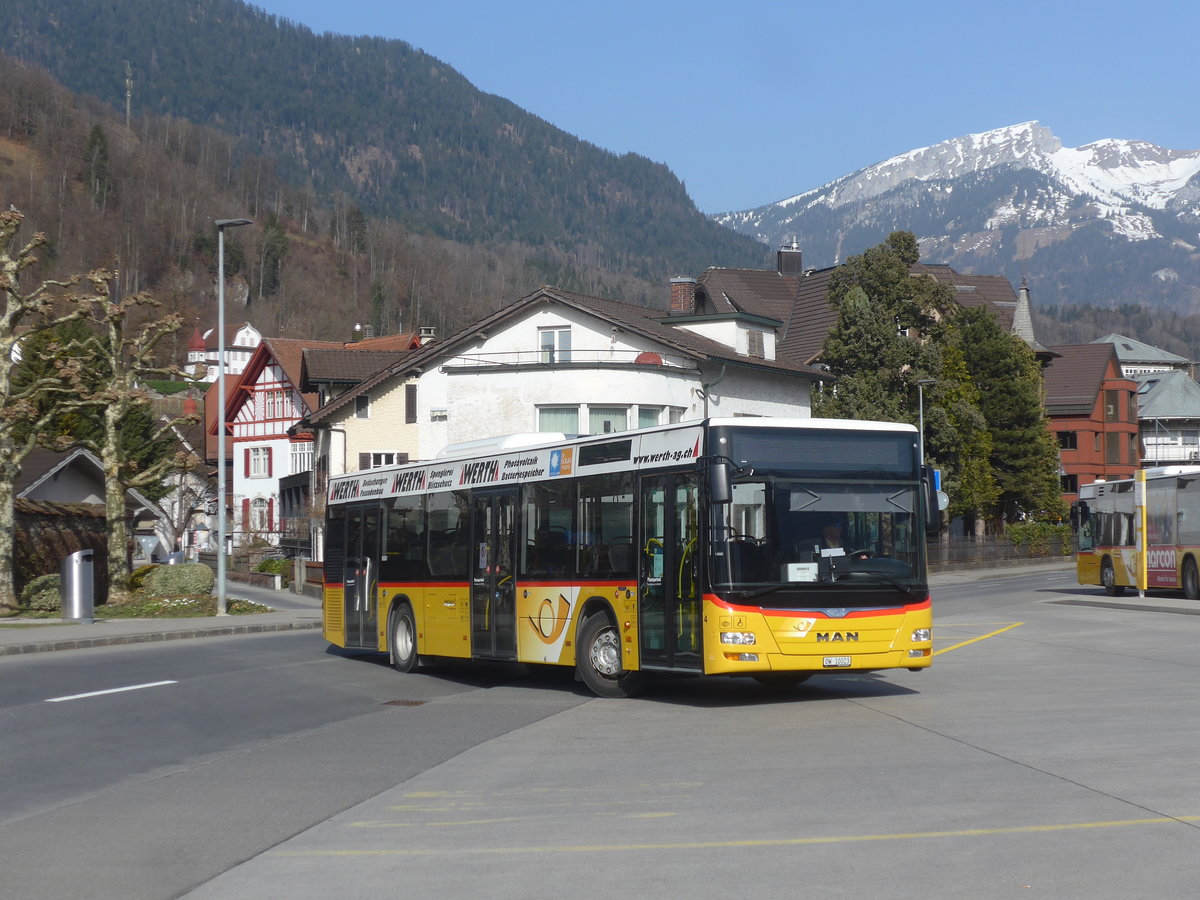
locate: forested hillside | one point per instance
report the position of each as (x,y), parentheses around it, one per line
(143,199)
(395,131)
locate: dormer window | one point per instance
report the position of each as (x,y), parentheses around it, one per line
(554,345)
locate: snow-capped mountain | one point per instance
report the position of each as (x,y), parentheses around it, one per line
(1114,221)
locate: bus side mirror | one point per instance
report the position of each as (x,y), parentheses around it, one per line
(1079,514)
(931,497)
(720,489)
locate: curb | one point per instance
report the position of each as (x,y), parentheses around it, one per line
(156,637)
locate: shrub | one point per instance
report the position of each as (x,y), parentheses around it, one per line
(43,594)
(1041,538)
(273,565)
(184,580)
(138,577)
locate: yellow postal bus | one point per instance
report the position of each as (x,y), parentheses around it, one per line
(771,548)
(1107,517)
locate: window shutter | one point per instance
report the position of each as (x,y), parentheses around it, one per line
(410,403)
(247,459)
(270,450)
(271,514)
(246,514)
(364,461)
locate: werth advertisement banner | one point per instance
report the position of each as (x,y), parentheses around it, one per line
(620,453)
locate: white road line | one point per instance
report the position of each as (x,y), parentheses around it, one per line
(132,687)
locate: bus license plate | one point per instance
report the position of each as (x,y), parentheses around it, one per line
(837,662)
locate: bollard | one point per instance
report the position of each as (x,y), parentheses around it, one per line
(78,587)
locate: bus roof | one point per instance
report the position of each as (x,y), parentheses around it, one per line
(511,459)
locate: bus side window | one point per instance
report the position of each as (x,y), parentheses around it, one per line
(404,553)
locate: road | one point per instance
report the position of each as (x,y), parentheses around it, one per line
(1049,752)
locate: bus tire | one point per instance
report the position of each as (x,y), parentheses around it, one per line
(1108,578)
(1191,580)
(402,638)
(598,660)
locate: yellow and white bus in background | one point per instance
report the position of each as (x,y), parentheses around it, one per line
(1141,532)
(770,548)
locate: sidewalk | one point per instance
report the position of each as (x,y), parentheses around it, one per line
(296,612)
(291,612)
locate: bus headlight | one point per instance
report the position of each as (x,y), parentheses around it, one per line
(737,637)
(920,635)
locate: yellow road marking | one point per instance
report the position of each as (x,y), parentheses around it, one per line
(780,842)
(982,637)
(434,824)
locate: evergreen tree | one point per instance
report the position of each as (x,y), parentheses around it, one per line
(885,338)
(1024,455)
(275,247)
(96,175)
(958,440)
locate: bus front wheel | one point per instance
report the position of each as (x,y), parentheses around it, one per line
(1191,580)
(403,639)
(599,660)
(1108,578)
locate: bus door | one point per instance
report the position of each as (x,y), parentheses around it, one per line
(493,594)
(362,576)
(668,588)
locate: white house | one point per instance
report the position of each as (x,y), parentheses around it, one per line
(240,343)
(264,451)
(557,361)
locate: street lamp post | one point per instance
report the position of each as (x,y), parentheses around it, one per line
(221,224)
(921,382)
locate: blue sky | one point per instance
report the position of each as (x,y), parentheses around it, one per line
(754,101)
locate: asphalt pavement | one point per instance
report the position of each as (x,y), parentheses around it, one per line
(290,611)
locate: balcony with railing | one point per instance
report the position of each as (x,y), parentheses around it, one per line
(1177,448)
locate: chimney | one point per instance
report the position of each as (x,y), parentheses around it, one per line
(357,333)
(428,335)
(788,259)
(683,294)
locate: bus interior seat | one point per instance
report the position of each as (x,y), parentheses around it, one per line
(745,561)
(620,557)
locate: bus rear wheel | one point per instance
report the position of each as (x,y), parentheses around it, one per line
(1108,578)
(1191,580)
(598,660)
(402,639)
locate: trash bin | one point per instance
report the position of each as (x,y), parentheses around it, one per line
(78,587)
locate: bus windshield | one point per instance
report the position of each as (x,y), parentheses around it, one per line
(806,535)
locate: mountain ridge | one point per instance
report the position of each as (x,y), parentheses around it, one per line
(1012,199)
